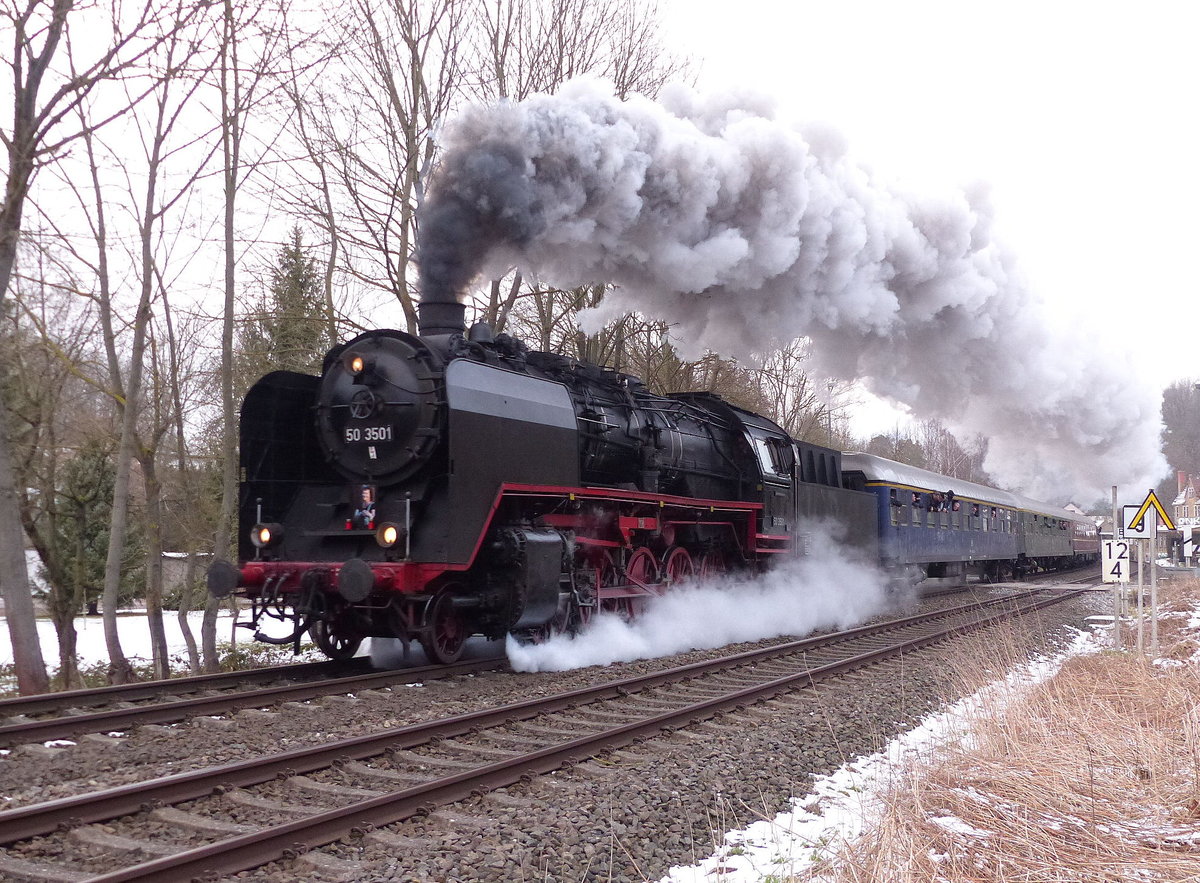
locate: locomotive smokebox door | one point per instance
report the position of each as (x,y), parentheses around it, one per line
(539,578)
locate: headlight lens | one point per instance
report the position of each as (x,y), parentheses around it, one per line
(264,536)
(388,534)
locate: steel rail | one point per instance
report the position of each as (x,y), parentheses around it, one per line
(91,696)
(259,847)
(169,712)
(24,822)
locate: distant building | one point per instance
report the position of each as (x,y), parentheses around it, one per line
(1186,505)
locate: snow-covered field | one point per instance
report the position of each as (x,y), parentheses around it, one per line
(133,631)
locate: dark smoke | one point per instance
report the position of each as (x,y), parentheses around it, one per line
(745,233)
(481,200)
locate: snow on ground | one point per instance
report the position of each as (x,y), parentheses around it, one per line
(134,633)
(844,803)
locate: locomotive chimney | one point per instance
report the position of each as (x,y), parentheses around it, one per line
(441,317)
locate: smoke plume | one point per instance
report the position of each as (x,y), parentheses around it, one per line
(744,233)
(796,597)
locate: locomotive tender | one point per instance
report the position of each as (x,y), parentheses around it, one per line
(438,486)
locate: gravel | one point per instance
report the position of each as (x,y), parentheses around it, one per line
(628,816)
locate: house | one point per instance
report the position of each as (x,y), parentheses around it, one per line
(1185,508)
(1186,505)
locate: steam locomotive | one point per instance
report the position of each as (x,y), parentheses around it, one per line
(455,483)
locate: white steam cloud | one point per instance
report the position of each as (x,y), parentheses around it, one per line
(745,233)
(797,597)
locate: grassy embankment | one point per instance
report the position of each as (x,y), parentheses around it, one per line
(1093,775)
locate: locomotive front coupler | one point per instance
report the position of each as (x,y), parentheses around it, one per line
(259,607)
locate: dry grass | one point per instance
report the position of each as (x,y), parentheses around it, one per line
(1092,776)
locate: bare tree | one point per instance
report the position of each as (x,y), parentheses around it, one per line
(175,39)
(193,518)
(792,398)
(251,41)
(899,445)
(368,130)
(529,46)
(37,137)
(945,454)
(45,354)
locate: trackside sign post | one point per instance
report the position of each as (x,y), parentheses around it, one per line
(1151,502)
(1112,575)
(1137,526)
(1116,560)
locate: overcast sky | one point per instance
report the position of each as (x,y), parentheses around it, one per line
(1081,117)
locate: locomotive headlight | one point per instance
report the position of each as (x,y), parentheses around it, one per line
(360,368)
(388,534)
(264,536)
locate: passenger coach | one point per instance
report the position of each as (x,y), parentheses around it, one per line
(949,528)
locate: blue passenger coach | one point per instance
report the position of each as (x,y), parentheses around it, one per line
(946,527)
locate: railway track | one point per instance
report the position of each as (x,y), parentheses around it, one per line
(66,715)
(68,722)
(17,706)
(248,813)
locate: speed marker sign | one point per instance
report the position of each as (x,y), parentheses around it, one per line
(1115,560)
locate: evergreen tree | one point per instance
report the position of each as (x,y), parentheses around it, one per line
(287,329)
(1181,419)
(293,327)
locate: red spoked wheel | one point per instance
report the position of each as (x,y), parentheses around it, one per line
(642,574)
(712,564)
(642,570)
(607,577)
(445,632)
(678,566)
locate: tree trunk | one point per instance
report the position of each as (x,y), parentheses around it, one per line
(154,568)
(185,607)
(231,144)
(208,635)
(68,656)
(119,669)
(65,600)
(14,576)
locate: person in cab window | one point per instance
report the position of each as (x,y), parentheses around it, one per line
(364,514)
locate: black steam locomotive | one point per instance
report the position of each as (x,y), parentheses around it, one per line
(453,484)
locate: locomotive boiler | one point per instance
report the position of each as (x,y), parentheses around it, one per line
(454,483)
